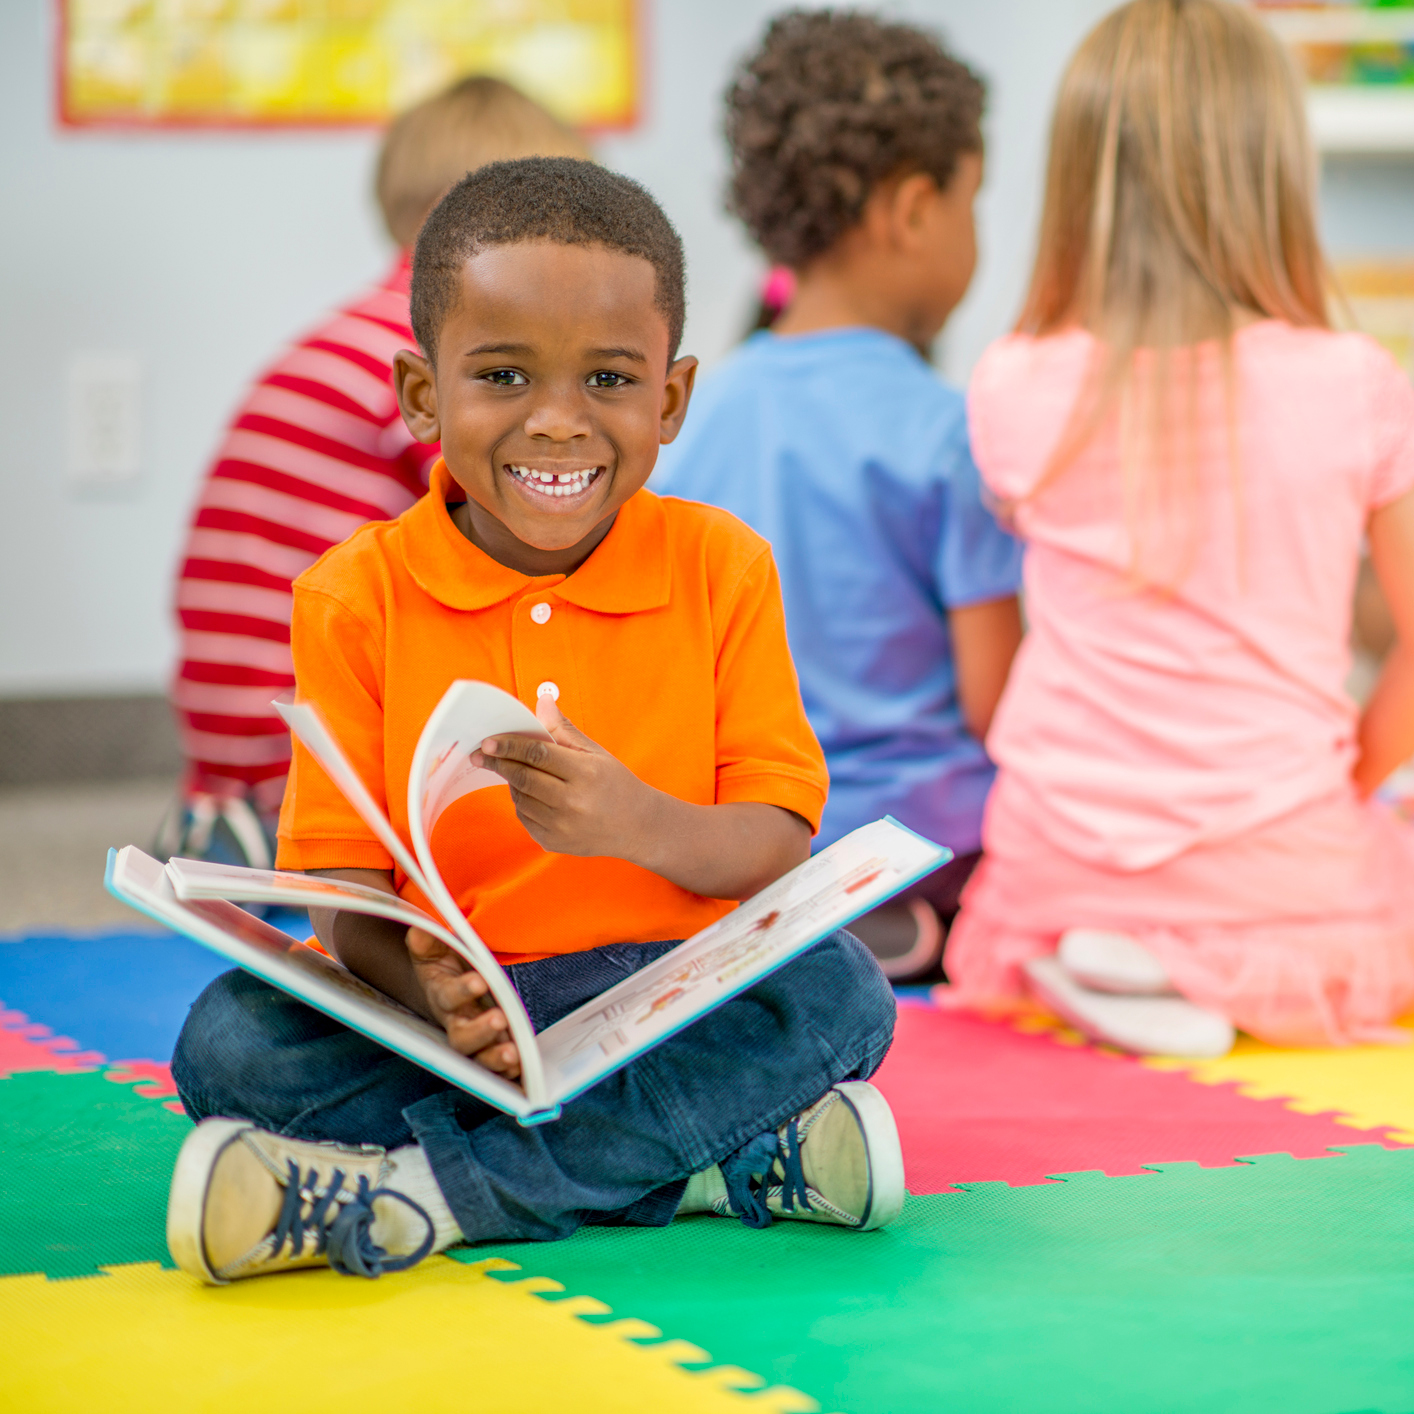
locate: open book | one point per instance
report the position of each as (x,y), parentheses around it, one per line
(199,899)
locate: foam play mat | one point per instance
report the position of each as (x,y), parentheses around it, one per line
(1085,1232)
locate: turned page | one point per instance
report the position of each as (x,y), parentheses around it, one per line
(441,773)
(849,878)
(313,977)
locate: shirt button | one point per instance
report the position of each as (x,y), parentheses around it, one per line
(548,689)
(541,613)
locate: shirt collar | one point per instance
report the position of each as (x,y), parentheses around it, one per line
(628,571)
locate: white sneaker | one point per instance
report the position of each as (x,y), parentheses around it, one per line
(838,1161)
(905,938)
(1147,1026)
(245,1202)
(1112,962)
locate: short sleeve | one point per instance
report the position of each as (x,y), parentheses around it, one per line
(766,750)
(977,560)
(1391,407)
(337,667)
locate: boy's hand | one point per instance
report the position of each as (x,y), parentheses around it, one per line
(573,797)
(462,1005)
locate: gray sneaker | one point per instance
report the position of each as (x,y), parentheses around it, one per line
(838,1161)
(245,1202)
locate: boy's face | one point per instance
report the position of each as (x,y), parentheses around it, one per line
(551,395)
(951,232)
(935,238)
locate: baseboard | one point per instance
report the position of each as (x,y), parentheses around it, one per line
(55,739)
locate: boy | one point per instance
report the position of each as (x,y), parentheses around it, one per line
(547,298)
(857,152)
(317,448)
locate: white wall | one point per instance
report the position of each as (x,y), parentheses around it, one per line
(201,253)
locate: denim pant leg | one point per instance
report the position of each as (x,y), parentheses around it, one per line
(250,1051)
(622,1151)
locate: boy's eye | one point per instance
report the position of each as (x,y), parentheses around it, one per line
(607,379)
(505,377)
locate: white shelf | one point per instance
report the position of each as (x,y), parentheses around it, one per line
(1361,118)
(1341,24)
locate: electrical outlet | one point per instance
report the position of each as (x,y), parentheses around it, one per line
(105,420)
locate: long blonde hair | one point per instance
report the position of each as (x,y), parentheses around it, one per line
(1178,202)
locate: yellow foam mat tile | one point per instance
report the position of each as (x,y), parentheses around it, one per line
(445,1336)
(1366,1087)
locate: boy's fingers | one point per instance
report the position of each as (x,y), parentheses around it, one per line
(426,948)
(466,992)
(530,749)
(470,1035)
(503,1058)
(527,780)
(561,728)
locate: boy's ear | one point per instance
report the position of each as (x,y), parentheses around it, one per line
(912,198)
(677,393)
(416,387)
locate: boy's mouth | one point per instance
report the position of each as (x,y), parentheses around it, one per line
(542,482)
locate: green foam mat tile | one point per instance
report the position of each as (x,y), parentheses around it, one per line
(1278,1286)
(87,1166)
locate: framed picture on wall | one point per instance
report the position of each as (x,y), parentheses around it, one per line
(289,63)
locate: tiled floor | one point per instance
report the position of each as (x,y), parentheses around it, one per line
(53,843)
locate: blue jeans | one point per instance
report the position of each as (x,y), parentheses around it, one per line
(619,1153)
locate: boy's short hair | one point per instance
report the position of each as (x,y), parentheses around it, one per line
(831,104)
(478,119)
(542,199)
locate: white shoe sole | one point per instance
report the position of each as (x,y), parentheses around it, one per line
(186,1203)
(1145,1026)
(876,1119)
(1112,962)
(927,947)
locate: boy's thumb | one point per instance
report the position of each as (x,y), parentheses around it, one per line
(559,726)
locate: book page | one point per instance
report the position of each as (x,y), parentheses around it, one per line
(442,772)
(194,879)
(849,878)
(309,975)
(304,721)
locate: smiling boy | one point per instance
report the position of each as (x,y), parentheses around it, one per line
(547,300)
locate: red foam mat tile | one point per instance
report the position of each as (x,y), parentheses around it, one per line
(26,1045)
(977,1100)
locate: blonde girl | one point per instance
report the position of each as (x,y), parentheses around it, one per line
(1194,457)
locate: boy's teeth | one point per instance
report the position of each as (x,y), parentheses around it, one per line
(551,483)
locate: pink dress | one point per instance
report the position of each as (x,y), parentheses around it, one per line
(1175,763)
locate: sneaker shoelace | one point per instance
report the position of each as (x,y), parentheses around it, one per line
(751,1174)
(339,1222)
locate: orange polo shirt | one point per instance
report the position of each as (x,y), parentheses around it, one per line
(668,647)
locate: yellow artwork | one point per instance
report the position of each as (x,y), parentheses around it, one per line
(192,63)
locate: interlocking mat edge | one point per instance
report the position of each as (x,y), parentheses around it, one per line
(1277,1284)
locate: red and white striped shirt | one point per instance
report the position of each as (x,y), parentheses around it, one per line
(318,448)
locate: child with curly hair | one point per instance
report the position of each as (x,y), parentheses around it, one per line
(856,155)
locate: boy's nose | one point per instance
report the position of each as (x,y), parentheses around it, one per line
(558,417)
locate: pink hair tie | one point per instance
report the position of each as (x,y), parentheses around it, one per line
(778,288)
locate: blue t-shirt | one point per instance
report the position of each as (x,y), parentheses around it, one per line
(850,456)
